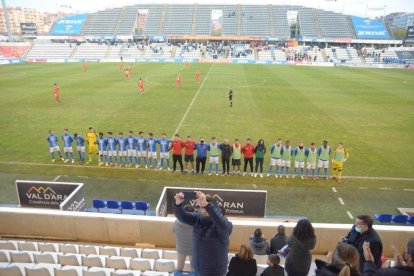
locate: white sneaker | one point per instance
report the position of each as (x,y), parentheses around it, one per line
(136,166)
(276,176)
(73,161)
(209,173)
(255,175)
(216,174)
(146,166)
(302,177)
(261,175)
(244,174)
(287,176)
(129,165)
(53,160)
(251,174)
(168,169)
(268,174)
(160,169)
(66,161)
(106,164)
(293,176)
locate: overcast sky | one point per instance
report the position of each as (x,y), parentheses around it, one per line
(371,8)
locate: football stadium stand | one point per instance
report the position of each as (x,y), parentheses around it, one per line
(333,24)
(13,50)
(53,50)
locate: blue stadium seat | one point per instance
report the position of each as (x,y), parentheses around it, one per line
(127,205)
(98,203)
(400,219)
(410,220)
(113,204)
(143,206)
(383,218)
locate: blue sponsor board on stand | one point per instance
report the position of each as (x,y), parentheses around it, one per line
(369,29)
(70,25)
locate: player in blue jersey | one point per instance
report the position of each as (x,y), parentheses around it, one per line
(142,148)
(80,146)
(164,151)
(132,148)
(102,145)
(52,140)
(67,146)
(300,155)
(324,153)
(122,149)
(112,143)
(152,150)
(276,157)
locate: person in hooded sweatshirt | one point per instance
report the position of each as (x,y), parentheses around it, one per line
(258,244)
(300,244)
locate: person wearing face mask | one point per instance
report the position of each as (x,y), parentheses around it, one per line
(404,264)
(211,232)
(362,232)
(202,149)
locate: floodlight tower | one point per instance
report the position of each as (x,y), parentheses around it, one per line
(6,18)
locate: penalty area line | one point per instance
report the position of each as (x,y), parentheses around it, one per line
(192,102)
(350,215)
(56,178)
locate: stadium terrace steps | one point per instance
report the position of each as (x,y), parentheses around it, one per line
(52,50)
(102,258)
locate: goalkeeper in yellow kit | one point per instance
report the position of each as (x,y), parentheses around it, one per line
(91,138)
(339,158)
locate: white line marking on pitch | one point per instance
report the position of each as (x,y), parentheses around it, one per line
(192,102)
(384,188)
(56,178)
(334,190)
(341,201)
(379,178)
(350,215)
(409,190)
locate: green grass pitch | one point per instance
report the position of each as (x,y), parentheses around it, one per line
(370,110)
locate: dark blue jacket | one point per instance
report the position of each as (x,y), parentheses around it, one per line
(210,239)
(202,149)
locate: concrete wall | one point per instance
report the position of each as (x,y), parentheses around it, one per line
(130,229)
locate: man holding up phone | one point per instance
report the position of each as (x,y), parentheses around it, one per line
(211,232)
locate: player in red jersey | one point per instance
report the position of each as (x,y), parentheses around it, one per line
(127,74)
(121,67)
(84,66)
(187,64)
(56,90)
(198,76)
(179,80)
(141,86)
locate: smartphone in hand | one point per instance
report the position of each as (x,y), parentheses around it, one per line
(189,195)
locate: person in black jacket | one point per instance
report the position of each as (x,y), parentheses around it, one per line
(400,269)
(278,241)
(274,269)
(226,151)
(211,232)
(243,263)
(362,232)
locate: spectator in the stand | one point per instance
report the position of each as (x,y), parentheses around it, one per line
(243,264)
(302,241)
(362,232)
(258,243)
(183,239)
(400,269)
(274,269)
(344,261)
(278,241)
(211,232)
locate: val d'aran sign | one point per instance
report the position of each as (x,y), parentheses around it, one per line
(236,203)
(65,196)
